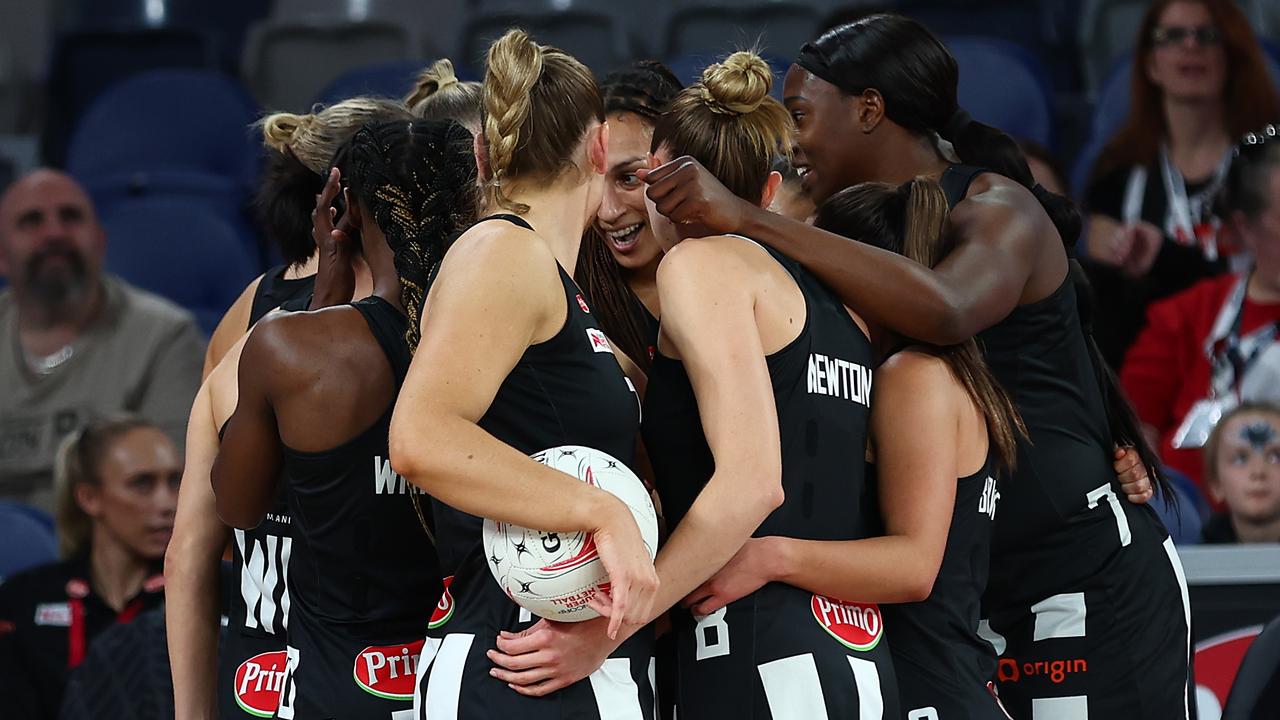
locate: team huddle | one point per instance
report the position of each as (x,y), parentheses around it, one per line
(892,476)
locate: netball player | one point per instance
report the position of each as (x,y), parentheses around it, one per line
(937,415)
(622,247)
(745,440)
(362,563)
(511,363)
(300,150)
(1077,573)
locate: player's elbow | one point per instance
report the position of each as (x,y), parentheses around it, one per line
(918,589)
(237,515)
(411,457)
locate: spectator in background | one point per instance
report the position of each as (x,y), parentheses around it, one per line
(1242,471)
(117,484)
(77,343)
(1210,347)
(1200,81)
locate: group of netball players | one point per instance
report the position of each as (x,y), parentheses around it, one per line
(895,480)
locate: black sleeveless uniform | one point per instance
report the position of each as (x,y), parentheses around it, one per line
(943,666)
(1085,588)
(363,570)
(251,659)
(782,652)
(568,390)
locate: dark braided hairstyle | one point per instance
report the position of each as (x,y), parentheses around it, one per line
(418,179)
(645,89)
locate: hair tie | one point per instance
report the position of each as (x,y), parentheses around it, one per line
(445,82)
(958,122)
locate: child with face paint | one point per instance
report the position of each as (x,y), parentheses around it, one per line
(1242,471)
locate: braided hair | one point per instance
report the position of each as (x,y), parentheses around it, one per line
(645,88)
(418,180)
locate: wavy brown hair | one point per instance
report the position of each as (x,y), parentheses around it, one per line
(911,220)
(1248,95)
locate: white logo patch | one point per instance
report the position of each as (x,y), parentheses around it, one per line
(53,614)
(599,343)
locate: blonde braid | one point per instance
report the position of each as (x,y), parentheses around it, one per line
(514,67)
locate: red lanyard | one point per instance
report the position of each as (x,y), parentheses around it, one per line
(76,633)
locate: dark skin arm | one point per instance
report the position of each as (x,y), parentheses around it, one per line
(1007,253)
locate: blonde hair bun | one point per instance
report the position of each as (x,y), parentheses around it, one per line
(279,129)
(739,85)
(435,78)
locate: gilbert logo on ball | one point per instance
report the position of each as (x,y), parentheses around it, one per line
(555,574)
(258,682)
(388,671)
(857,626)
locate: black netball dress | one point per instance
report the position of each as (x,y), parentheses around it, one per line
(1085,586)
(363,573)
(251,659)
(568,390)
(942,664)
(782,652)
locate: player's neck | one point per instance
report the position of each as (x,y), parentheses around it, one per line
(1256,532)
(116,572)
(559,213)
(644,283)
(907,157)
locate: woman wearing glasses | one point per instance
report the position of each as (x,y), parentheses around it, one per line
(1199,83)
(1215,344)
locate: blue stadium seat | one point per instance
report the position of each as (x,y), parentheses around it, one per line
(132,129)
(180,250)
(1003,85)
(26,538)
(87,63)
(716,29)
(1185,520)
(598,39)
(390,79)
(287,63)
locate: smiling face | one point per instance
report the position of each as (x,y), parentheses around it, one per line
(1248,467)
(623,217)
(830,146)
(1187,61)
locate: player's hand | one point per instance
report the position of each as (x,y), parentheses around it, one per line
(687,193)
(551,655)
(745,573)
(633,582)
(1132,475)
(335,277)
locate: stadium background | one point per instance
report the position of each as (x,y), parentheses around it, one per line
(149,104)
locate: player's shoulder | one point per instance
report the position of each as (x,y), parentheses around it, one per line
(913,367)
(284,339)
(718,258)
